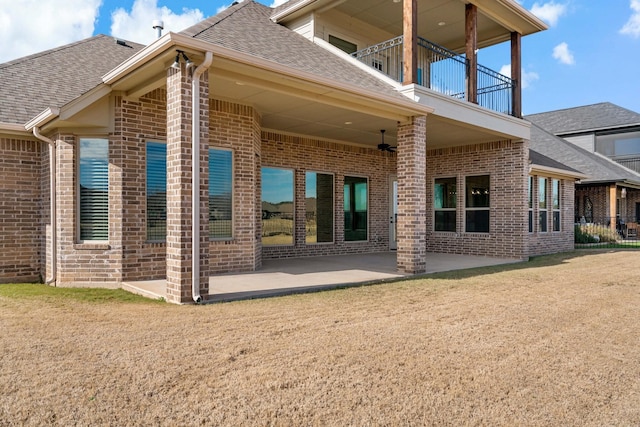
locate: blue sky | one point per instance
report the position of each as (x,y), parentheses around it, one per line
(589,54)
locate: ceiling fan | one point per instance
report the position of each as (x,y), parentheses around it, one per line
(383,146)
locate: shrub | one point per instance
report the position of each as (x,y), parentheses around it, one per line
(594,233)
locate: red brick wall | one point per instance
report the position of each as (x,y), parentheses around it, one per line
(22,232)
(505,163)
(304,154)
(237,127)
(549,242)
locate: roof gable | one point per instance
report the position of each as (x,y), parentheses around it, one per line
(598,168)
(246,27)
(600,116)
(57,76)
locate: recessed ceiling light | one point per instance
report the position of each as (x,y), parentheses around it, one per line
(348,123)
(442,23)
(240,83)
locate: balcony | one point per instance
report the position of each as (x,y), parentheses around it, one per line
(443,71)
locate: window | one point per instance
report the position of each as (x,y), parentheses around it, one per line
(343,44)
(355,208)
(156,191)
(622,144)
(220,194)
(555,194)
(542,205)
(94,189)
(444,201)
(277,206)
(319,207)
(530,197)
(477,204)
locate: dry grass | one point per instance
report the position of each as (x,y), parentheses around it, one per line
(552,342)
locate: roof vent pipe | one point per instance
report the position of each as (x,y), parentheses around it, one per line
(158,25)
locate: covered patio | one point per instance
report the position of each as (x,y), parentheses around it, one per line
(298,275)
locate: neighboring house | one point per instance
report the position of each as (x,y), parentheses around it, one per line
(607,190)
(611,137)
(100,182)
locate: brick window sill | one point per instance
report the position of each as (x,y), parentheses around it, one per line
(92,246)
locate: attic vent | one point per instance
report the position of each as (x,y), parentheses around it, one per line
(122,43)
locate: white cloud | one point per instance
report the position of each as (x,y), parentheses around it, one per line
(632,27)
(136,25)
(563,54)
(528,77)
(549,12)
(30,26)
(277,3)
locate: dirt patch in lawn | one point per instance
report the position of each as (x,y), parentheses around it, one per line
(554,341)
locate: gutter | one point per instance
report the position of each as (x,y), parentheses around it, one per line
(195,176)
(35,124)
(52,203)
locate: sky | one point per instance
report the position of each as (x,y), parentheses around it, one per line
(589,54)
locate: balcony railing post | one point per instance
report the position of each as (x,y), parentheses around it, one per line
(444,71)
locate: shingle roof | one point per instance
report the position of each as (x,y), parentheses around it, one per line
(598,168)
(246,27)
(542,160)
(589,117)
(55,77)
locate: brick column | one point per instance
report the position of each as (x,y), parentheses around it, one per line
(179,184)
(412,196)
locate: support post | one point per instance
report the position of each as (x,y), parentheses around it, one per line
(471,40)
(516,74)
(412,195)
(410,41)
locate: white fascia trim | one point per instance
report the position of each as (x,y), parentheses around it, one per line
(291,9)
(172,39)
(84,101)
(43,118)
(555,172)
(532,19)
(140,58)
(13,128)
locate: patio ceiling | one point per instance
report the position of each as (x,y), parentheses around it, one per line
(318,116)
(439,21)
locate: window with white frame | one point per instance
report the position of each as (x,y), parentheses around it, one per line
(555,200)
(477,204)
(542,204)
(444,202)
(93,181)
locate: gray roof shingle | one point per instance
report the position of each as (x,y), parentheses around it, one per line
(598,168)
(57,76)
(246,27)
(589,117)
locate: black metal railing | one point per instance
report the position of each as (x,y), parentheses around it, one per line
(441,70)
(607,232)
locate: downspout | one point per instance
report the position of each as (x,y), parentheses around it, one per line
(195,176)
(52,203)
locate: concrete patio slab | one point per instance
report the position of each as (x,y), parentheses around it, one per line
(297,275)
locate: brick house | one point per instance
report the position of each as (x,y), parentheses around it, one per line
(603,141)
(321,128)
